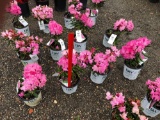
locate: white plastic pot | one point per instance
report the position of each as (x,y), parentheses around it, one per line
(152,111)
(131,73)
(56,55)
(97,78)
(24,30)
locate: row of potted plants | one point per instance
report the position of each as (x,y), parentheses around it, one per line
(27,47)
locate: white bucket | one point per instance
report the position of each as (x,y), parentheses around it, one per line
(68,23)
(80,46)
(56,55)
(93,18)
(46,30)
(97,78)
(69,90)
(152,112)
(130,73)
(24,30)
(25,62)
(105,41)
(33,102)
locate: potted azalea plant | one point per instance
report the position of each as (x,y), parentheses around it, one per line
(134,57)
(23,4)
(30,85)
(82,23)
(79,62)
(43,14)
(27,47)
(18,22)
(102,64)
(124,108)
(56,44)
(98,3)
(151,102)
(60,5)
(74,8)
(121,26)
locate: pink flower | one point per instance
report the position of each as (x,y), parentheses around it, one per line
(124,116)
(120,24)
(142,117)
(108,96)
(97,1)
(14,8)
(42,12)
(130,25)
(135,108)
(21,94)
(122,108)
(55,28)
(33,77)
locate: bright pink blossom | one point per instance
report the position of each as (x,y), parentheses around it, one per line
(55,28)
(14,9)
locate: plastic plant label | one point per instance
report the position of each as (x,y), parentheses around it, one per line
(62,44)
(41,25)
(92,14)
(50,42)
(144,58)
(22,21)
(55,74)
(112,39)
(64,82)
(34,57)
(79,36)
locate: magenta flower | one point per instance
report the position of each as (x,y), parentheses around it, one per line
(55,28)
(14,9)
(130,25)
(108,96)
(120,24)
(33,77)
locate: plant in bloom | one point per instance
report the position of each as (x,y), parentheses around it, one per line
(132,51)
(43,13)
(24,45)
(153,94)
(124,109)
(79,61)
(56,30)
(123,25)
(102,61)
(98,3)
(14,9)
(33,80)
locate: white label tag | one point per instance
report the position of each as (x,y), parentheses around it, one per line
(144,59)
(112,39)
(41,25)
(92,14)
(62,44)
(55,74)
(79,36)
(50,42)
(34,57)
(64,82)
(22,21)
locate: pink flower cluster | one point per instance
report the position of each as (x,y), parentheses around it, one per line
(122,25)
(24,44)
(42,12)
(82,60)
(154,88)
(12,35)
(131,48)
(33,78)
(28,45)
(14,9)
(97,1)
(101,61)
(55,28)
(119,103)
(83,18)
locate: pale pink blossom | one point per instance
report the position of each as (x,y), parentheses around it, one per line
(108,96)
(130,25)
(124,116)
